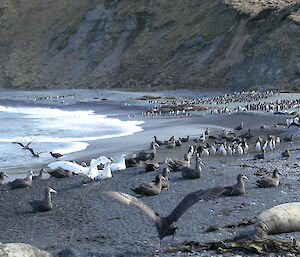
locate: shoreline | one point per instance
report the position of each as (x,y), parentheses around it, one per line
(126,108)
(114,146)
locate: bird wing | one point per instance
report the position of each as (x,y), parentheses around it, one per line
(265,181)
(73,167)
(133,201)
(102,159)
(32,152)
(228,190)
(193,198)
(18,143)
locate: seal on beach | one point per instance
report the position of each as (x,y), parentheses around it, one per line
(21,183)
(40,176)
(45,204)
(282,218)
(2,176)
(164,225)
(269,181)
(60,173)
(56,155)
(151,188)
(238,188)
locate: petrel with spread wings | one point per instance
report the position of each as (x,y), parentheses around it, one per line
(164,225)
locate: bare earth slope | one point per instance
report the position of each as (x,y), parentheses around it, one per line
(152,44)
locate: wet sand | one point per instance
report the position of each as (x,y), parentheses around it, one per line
(85,222)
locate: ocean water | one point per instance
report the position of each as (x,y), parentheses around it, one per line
(56,130)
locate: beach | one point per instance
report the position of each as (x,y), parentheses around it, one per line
(85,222)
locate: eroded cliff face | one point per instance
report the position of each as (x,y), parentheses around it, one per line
(140,44)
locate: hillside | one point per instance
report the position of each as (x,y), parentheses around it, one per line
(140,44)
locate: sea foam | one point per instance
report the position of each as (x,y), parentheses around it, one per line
(41,125)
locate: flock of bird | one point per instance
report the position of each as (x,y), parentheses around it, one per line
(226,143)
(249,101)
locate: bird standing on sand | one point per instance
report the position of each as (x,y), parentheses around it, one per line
(60,173)
(238,188)
(158,141)
(164,225)
(260,155)
(56,155)
(264,146)
(191,150)
(165,183)
(151,166)
(147,154)
(45,204)
(269,181)
(40,176)
(151,188)
(184,139)
(21,183)
(2,176)
(176,165)
(132,162)
(240,149)
(258,146)
(223,150)
(190,173)
(240,127)
(286,153)
(121,165)
(105,173)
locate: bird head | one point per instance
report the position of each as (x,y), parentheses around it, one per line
(276,171)
(241,177)
(51,190)
(4,174)
(155,144)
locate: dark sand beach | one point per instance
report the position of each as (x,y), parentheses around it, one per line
(85,222)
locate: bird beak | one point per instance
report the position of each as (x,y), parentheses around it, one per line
(53,191)
(156,144)
(163,178)
(5,175)
(245,177)
(111,159)
(280,173)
